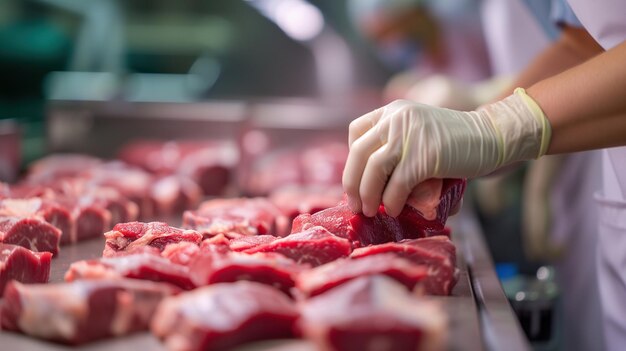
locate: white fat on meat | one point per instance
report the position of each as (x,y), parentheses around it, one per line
(55,314)
(425,197)
(20,207)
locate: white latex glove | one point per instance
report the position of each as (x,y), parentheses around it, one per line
(444,91)
(396,147)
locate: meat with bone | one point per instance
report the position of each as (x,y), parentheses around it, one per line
(373,313)
(145,266)
(381,228)
(222,316)
(32,233)
(323,278)
(314,246)
(437,253)
(128,236)
(82,311)
(209,163)
(23,265)
(210,267)
(233,217)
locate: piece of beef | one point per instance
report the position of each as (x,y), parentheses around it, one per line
(233,217)
(223,316)
(437,252)
(131,182)
(220,242)
(181,253)
(320,279)
(32,233)
(52,212)
(210,267)
(23,265)
(296,200)
(245,243)
(126,236)
(82,311)
(174,194)
(210,164)
(144,266)
(381,228)
(58,166)
(314,246)
(373,313)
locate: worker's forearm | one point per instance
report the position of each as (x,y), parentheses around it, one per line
(590,91)
(589,135)
(574,47)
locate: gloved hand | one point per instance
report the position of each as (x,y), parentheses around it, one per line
(444,91)
(396,147)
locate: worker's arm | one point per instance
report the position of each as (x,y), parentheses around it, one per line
(402,144)
(587,99)
(574,46)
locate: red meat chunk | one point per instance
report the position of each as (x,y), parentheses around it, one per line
(296,200)
(173,194)
(381,228)
(373,313)
(222,316)
(138,266)
(211,267)
(81,311)
(127,236)
(31,233)
(233,217)
(60,166)
(23,265)
(437,252)
(314,246)
(50,211)
(320,279)
(245,243)
(181,253)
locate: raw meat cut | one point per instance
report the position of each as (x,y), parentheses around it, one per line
(60,166)
(144,266)
(220,242)
(82,311)
(23,265)
(314,246)
(31,233)
(222,316)
(50,211)
(126,236)
(209,163)
(317,163)
(173,194)
(249,242)
(233,217)
(373,313)
(181,253)
(295,200)
(320,279)
(381,228)
(210,267)
(437,252)
(131,182)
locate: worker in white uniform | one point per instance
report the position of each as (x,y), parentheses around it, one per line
(395,147)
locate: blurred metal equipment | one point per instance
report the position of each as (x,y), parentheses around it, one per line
(10,150)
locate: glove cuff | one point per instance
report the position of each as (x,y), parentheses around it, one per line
(546,129)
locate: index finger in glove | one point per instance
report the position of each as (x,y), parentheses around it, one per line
(361,125)
(358,157)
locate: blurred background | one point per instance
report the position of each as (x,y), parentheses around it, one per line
(91,76)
